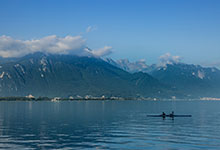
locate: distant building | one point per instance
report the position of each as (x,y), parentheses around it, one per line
(173,97)
(30,96)
(71,98)
(210,98)
(55,99)
(88,96)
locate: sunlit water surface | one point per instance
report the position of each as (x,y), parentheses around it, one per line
(109,125)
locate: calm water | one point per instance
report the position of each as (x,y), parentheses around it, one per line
(109,125)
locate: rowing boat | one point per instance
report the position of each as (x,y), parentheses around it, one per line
(169,116)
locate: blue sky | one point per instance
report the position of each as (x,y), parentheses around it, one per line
(135,29)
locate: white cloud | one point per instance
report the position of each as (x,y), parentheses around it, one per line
(90,29)
(10,47)
(102,51)
(76,45)
(169,59)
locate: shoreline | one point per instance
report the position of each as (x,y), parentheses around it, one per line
(8,99)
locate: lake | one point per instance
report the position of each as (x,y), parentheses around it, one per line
(109,125)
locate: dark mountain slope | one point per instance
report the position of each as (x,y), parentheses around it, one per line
(66,75)
(190,79)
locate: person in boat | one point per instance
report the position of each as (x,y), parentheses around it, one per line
(163,114)
(172,114)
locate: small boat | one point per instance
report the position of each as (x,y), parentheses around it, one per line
(172,116)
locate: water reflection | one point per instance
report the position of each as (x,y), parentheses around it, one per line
(108,125)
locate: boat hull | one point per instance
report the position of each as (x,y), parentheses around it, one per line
(169,116)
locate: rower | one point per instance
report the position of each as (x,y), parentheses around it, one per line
(163,114)
(172,114)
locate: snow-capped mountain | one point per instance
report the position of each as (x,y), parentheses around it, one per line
(132,67)
(50,75)
(192,79)
(189,78)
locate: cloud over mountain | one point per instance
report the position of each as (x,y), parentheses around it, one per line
(169,59)
(102,51)
(75,45)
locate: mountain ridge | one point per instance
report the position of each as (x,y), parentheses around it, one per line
(53,75)
(190,79)
(66,75)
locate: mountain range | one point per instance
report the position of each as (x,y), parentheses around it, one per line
(50,75)
(53,75)
(192,80)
